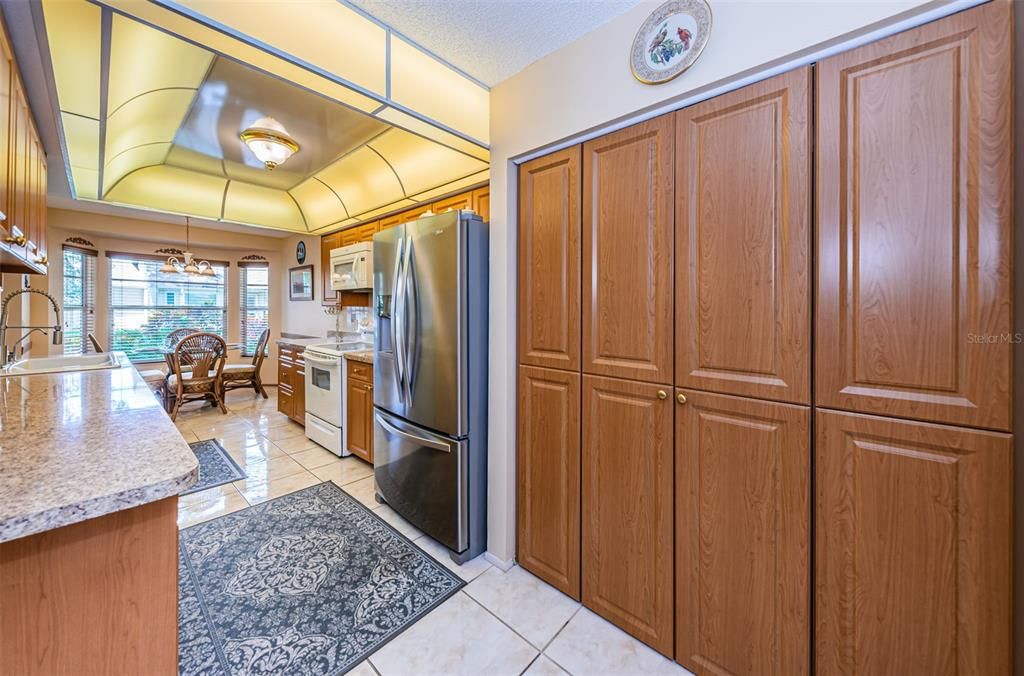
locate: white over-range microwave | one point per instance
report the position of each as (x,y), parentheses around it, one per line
(352,267)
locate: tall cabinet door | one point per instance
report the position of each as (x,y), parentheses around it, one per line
(6,128)
(627,252)
(743,213)
(914,223)
(548,477)
(742,535)
(627,507)
(913,542)
(549,261)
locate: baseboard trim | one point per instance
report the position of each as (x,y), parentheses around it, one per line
(501,564)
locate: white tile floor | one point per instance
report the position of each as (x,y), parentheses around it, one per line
(499,623)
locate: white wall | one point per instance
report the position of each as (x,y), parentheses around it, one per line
(303,317)
(587,87)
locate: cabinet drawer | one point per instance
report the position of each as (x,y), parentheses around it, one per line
(358,370)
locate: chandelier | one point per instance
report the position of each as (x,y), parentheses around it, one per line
(269,142)
(189,266)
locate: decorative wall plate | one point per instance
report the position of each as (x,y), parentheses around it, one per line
(300,252)
(670,40)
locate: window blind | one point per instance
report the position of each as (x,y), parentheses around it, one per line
(146,304)
(79,300)
(255,313)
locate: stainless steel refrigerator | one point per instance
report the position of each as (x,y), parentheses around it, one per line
(430,377)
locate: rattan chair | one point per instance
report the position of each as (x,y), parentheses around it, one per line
(175,336)
(236,376)
(204,354)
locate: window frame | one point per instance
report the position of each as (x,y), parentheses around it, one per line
(87,308)
(243,305)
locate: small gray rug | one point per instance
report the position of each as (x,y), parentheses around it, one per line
(216,466)
(309,583)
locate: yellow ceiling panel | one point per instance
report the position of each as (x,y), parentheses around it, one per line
(144,59)
(424,84)
(453,186)
(86,182)
(363,181)
(151,118)
(123,164)
(406,121)
(421,163)
(186,158)
(178,191)
(73,31)
(320,205)
(248,203)
(324,33)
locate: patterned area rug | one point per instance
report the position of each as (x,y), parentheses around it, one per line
(308,583)
(216,467)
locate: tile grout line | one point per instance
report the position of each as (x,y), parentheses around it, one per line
(503,622)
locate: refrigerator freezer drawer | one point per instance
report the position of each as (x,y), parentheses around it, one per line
(422,476)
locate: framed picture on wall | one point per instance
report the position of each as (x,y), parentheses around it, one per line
(300,283)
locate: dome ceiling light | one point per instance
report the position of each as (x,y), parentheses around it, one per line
(269,142)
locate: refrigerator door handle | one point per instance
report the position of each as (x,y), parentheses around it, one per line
(396,320)
(413,437)
(411,305)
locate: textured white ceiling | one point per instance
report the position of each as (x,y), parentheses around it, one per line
(494,39)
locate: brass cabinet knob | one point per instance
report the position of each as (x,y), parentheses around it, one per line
(662,394)
(18,240)
(681,398)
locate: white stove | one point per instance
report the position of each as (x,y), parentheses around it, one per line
(325,392)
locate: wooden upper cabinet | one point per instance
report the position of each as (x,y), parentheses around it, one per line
(359,233)
(549,260)
(913,541)
(742,535)
(548,477)
(914,223)
(389,222)
(482,203)
(628,507)
(627,252)
(6,75)
(743,232)
(327,243)
(454,203)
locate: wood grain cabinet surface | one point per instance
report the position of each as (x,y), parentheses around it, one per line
(291,383)
(549,260)
(743,233)
(548,477)
(742,504)
(914,223)
(359,409)
(627,500)
(627,252)
(327,244)
(913,545)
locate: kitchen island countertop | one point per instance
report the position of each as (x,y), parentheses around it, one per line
(77,445)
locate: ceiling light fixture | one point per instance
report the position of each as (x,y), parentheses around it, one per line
(269,142)
(190,266)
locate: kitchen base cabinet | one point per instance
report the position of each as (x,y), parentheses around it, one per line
(913,543)
(548,477)
(359,410)
(742,535)
(291,383)
(627,501)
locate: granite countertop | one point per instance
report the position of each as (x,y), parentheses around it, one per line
(301,342)
(365,356)
(78,445)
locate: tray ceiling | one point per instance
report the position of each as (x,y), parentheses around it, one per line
(151,120)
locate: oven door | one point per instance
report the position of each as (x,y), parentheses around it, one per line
(422,476)
(323,387)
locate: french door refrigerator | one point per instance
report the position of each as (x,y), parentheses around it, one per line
(430,377)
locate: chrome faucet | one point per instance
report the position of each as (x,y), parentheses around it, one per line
(7,354)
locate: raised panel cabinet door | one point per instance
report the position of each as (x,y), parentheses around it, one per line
(410,215)
(368,422)
(914,224)
(743,236)
(328,242)
(913,547)
(18,177)
(390,222)
(357,401)
(456,202)
(548,477)
(627,535)
(299,395)
(742,535)
(6,129)
(482,203)
(627,252)
(549,260)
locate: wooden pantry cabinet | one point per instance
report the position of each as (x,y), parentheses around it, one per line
(627,252)
(22,175)
(359,409)
(700,235)
(291,382)
(914,219)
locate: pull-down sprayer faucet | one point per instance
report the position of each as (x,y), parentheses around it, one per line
(7,354)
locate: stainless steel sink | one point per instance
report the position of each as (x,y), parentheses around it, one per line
(63,364)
